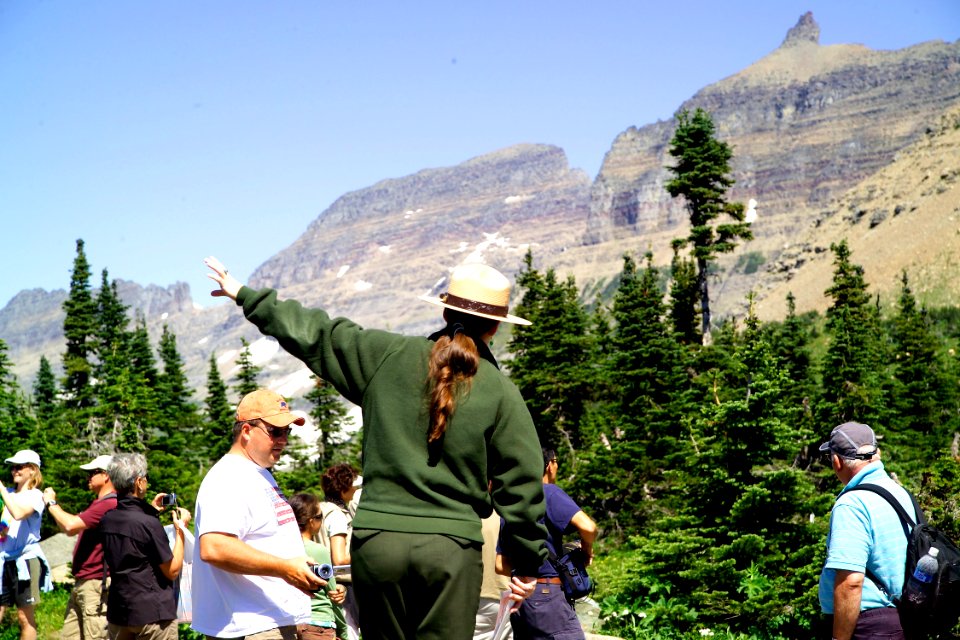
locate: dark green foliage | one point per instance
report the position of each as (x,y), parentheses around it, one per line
(248,373)
(635,433)
(17,423)
(176,416)
(850,370)
(920,396)
(698,462)
(79,328)
(702,177)
(220,415)
(549,362)
(329,414)
(45,391)
(684,295)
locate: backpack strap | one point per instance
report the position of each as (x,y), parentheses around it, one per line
(905,520)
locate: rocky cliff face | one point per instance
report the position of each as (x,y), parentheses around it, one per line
(367,257)
(807,123)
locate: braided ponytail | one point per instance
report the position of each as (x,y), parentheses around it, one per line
(454,360)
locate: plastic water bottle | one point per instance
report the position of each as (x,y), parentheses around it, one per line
(918,586)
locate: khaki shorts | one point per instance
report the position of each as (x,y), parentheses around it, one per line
(22,593)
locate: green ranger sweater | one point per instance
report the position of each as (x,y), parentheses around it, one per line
(408,486)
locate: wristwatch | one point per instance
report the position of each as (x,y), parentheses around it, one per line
(51,503)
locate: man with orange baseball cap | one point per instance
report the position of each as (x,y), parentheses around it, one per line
(252,574)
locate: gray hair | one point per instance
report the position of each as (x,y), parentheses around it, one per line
(854,463)
(124,471)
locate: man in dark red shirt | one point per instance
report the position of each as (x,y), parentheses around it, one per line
(85,618)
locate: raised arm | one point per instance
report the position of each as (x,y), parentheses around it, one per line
(17,504)
(69,523)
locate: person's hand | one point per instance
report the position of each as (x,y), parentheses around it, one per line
(157,502)
(297,573)
(180,516)
(522,587)
(229,286)
(338,595)
(48,495)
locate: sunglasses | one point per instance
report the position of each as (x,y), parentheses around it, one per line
(18,467)
(275,432)
(319,516)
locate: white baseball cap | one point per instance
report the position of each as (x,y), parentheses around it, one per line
(100,463)
(24,456)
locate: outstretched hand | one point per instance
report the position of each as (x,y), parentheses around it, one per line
(229,286)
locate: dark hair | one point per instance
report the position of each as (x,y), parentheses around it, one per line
(305,506)
(336,480)
(454,360)
(548,455)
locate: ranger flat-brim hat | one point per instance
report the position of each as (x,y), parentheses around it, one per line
(479,290)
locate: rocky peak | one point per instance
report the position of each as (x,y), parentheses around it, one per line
(806,30)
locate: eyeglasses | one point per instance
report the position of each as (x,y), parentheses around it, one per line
(274,432)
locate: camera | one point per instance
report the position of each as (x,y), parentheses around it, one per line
(168,500)
(322,571)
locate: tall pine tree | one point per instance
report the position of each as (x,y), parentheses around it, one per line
(79,328)
(248,373)
(702,177)
(851,370)
(550,357)
(220,414)
(329,414)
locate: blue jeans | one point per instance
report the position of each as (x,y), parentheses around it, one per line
(546,615)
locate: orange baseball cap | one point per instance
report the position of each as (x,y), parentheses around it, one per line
(267,405)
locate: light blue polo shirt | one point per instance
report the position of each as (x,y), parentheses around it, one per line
(865,531)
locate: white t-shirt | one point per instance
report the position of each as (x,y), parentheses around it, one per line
(240,498)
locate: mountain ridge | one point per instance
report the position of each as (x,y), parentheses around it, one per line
(804,137)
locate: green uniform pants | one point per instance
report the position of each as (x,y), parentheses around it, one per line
(415,585)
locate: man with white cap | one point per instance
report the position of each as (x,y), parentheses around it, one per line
(251,577)
(866,548)
(85,617)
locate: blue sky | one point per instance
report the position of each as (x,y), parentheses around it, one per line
(164,131)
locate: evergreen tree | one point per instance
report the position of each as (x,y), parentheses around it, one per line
(648,385)
(329,415)
(248,373)
(176,415)
(791,342)
(112,342)
(550,357)
(79,328)
(220,415)
(851,369)
(683,298)
(45,391)
(702,177)
(920,388)
(17,424)
(740,552)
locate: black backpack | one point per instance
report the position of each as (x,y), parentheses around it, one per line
(939,613)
